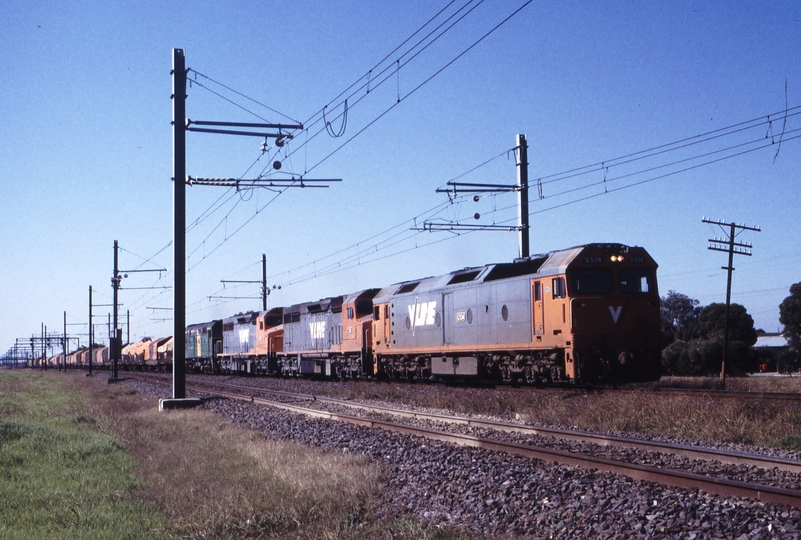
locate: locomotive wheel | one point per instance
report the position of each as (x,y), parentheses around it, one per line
(528,375)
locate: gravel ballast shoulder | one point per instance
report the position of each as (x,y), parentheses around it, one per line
(495,494)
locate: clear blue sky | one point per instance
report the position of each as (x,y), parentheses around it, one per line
(86,153)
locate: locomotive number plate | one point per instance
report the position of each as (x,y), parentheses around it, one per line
(593,260)
(460,316)
(637,260)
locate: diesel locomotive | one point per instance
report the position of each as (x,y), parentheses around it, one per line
(585,314)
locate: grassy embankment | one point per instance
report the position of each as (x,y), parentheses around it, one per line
(83,459)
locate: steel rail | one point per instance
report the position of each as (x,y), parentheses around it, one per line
(720,486)
(688,451)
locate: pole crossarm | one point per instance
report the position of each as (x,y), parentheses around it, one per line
(234,297)
(142,270)
(261,182)
(242,124)
(466,187)
(723,223)
(280,137)
(428,226)
(725,248)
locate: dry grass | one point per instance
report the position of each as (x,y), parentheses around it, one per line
(699,418)
(214,480)
(217,481)
(747,384)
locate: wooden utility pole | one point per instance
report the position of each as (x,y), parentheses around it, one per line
(64,344)
(264,290)
(728,245)
(91,331)
(114,338)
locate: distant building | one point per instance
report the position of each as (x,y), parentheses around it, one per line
(768,347)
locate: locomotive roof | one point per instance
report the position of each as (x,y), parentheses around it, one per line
(548,264)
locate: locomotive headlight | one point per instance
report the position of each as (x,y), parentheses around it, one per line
(617,258)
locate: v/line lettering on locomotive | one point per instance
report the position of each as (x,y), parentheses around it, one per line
(583,314)
(317,329)
(422,314)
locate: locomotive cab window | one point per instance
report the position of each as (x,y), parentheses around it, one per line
(589,281)
(559,289)
(636,281)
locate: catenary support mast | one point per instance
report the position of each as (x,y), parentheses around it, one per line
(522,195)
(179,222)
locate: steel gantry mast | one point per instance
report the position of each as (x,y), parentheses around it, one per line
(521,188)
(265,290)
(181,124)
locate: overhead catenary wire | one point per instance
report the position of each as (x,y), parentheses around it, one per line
(420,85)
(421,45)
(366,255)
(734,151)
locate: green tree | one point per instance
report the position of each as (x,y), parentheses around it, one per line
(702,357)
(712,321)
(706,355)
(679,316)
(790,317)
(671,358)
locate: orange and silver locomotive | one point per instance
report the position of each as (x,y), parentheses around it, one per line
(588,313)
(584,314)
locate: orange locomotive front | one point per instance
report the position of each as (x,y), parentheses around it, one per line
(613,302)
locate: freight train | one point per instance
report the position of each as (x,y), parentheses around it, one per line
(585,314)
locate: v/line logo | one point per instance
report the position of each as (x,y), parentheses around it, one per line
(317,329)
(423,314)
(618,313)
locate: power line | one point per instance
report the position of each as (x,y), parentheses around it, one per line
(416,88)
(347,262)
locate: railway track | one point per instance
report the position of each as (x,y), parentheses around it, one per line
(678,478)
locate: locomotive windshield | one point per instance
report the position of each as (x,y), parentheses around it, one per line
(636,281)
(588,281)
